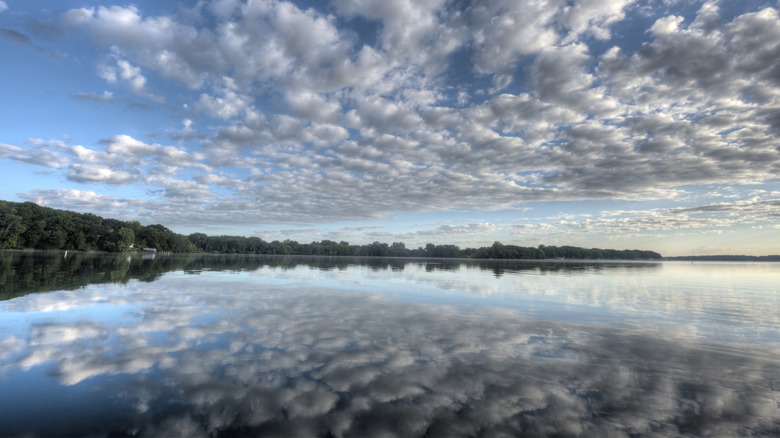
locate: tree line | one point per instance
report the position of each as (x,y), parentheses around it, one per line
(30,226)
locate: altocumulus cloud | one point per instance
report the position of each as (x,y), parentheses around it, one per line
(354,111)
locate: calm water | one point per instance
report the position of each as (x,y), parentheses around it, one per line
(259,346)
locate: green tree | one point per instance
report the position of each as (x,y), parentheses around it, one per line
(126,239)
(200,240)
(377,249)
(11,226)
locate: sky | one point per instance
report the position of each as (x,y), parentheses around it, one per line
(598,123)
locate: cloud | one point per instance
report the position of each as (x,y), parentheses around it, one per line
(225,107)
(125,152)
(129,147)
(106,97)
(505,31)
(754,205)
(125,160)
(418,35)
(123,71)
(42,153)
(25,40)
(618,225)
(3,6)
(77,200)
(176,188)
(16,36)
(470,234)
(220,180)
(91,173)
(444,106)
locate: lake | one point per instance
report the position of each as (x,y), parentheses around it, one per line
(229,346)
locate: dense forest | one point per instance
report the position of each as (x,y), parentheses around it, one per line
(29,226)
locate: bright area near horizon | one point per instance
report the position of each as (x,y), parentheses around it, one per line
(614,124)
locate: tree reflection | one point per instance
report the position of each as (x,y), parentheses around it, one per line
(26,272)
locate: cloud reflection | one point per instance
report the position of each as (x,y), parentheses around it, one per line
(234,359)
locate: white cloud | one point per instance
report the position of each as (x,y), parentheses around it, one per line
(123,71)
(618,225)
(76,200)
(3,6)
(123,150)
(47,154)
(226,107)
(219,180)
(130,147)
(416,34)
(592,17)
(131,74)
(8,149)
(151,39)
(668,25)
(124,160)
(87,173)
(313,106)
(505,31)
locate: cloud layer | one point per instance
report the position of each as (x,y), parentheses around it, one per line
(361,110)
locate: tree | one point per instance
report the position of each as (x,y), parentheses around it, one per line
(499,251)
(377,249)
(398,249)
(11,227)
(200,240)
(126,239)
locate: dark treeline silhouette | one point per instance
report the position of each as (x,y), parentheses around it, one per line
(29,226)
(255,245)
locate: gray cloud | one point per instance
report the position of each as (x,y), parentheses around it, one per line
(17,37)
(24,40)
(106,97)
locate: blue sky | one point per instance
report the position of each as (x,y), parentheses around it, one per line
(599,123)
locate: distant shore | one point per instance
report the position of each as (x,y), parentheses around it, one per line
(701,258)
(726,258)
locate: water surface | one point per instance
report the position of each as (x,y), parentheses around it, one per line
(271,346)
